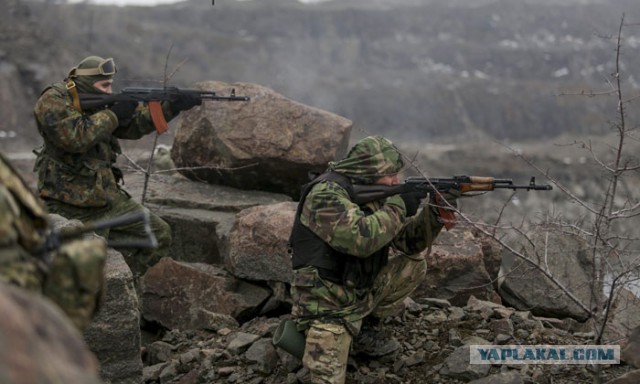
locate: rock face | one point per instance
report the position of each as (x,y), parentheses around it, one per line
(624,318)
(631,351)
(114,333)
(247,145)
(258,243)
(460,265)
(38,344)
(565,256)
(201,215)
(181,295)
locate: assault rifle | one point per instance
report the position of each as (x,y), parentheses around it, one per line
(153,97)
(58,237)
(437,186)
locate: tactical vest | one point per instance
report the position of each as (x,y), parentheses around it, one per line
(87,179)
(309,250)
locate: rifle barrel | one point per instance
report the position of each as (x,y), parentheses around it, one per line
(532,186)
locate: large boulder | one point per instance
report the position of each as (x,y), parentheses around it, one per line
(461,264)
(624,317)
(258,243)
(199,235)
(631,351)
(566,258)
(270,143)
(39,344)
(201,215)
(180,295)
(167,191)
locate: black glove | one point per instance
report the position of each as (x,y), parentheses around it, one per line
(184,101)
(411,202)
(124,109)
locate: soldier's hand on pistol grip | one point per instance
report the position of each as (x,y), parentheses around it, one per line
(411,202)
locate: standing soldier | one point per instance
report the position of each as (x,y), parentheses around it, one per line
(77,177)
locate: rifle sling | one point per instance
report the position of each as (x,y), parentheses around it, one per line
(73,91)
(157,116)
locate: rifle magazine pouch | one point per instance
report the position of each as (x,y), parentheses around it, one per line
(76,279)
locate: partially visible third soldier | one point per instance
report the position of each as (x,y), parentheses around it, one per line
(72,277)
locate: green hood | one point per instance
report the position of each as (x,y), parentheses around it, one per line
(369,159)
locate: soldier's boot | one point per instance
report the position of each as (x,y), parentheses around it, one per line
(373,340)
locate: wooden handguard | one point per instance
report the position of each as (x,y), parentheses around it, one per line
(478,183)
(481,179)
(157,117)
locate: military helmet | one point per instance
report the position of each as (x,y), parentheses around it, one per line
(90,70)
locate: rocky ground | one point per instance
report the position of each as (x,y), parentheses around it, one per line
(432,333)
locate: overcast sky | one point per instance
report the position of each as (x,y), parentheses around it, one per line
(128,2)
(156,2)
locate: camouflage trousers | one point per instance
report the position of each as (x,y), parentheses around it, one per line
(139,260)
(329,337)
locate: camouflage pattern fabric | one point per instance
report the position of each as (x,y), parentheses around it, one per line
(139,260)
(329,336)
(76,173)
(359,231)
(75,164)
(74,279)
(327,352)
(369,159)
(23,222)
(315,298)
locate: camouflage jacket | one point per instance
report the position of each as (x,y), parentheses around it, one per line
(343,225)
(359,231)
(76,162)
(23,222)
(331,215)
(73,278)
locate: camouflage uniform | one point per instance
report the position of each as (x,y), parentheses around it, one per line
(74,278)
(333,312)
(75,166)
